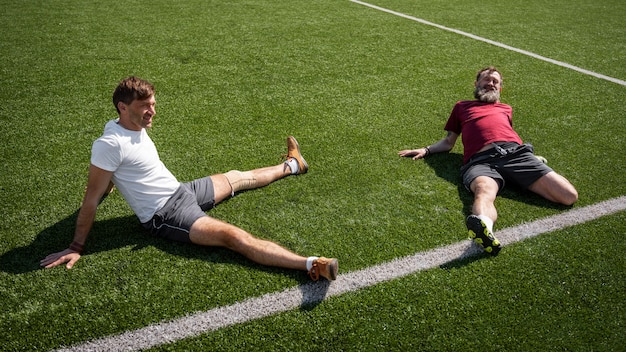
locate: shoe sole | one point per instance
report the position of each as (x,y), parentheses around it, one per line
(333,269)
(478,232)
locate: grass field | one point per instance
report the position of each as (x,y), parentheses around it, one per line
(354,85)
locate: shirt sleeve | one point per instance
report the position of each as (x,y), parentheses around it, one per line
(454,121)
(106,155)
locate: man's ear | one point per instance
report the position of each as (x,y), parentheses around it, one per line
(121,106)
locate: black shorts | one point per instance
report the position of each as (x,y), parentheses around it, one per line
(509,162)
(173,221)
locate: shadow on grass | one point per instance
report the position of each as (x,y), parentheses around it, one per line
(472,254)
(114,234)
(105,235)
(313,293)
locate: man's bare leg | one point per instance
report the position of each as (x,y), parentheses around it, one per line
(229,183)
(226,185)
(484,214)
(485,190)
(555,188)
(208,231)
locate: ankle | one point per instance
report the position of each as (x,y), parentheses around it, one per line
(293,165)
(488,222)
(309,262)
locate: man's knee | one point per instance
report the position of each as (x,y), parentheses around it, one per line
(240,181)
(484,185)
(207,231)
(570,196)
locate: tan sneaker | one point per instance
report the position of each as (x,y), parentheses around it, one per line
(325,267)
(293,151)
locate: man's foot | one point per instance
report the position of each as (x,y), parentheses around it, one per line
(325,267)
(479,233)
(293,151)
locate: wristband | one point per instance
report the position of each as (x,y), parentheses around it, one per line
(427,151)
(77,247)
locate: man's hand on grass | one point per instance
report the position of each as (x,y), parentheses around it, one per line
(67,256)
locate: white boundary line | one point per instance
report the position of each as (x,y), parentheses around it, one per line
(489,41)
(312,293)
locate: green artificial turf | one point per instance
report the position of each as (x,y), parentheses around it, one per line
(354,85)
(547,294)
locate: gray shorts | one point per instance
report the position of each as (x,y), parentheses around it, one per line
(173,221)
(511,162)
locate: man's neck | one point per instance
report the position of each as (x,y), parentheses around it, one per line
(128,126)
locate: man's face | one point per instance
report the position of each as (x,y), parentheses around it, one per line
(138,114)
(488,87)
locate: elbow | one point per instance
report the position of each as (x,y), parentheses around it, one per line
(447,145)
(447,148)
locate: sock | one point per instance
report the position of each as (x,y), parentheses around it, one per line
(293,165)
(309,262)
(488,222)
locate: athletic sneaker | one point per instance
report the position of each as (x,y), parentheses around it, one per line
(479,233)
(293,151)
(325,267)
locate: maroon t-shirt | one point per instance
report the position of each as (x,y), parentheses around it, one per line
(480,124)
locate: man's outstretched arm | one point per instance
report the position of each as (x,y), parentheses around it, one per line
(444,145)
(98,185)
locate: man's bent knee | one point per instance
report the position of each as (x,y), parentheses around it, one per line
(240,181)
(484,185)
(571,197)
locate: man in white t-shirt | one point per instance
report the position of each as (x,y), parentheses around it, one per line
(125,156)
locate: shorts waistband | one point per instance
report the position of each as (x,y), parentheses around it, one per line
(499,149)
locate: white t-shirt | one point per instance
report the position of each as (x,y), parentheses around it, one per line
(138,173)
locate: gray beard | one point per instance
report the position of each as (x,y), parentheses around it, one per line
(486,96)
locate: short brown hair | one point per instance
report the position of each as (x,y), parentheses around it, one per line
(132,88)
(489,70)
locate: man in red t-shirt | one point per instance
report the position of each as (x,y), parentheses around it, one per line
(493,154)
